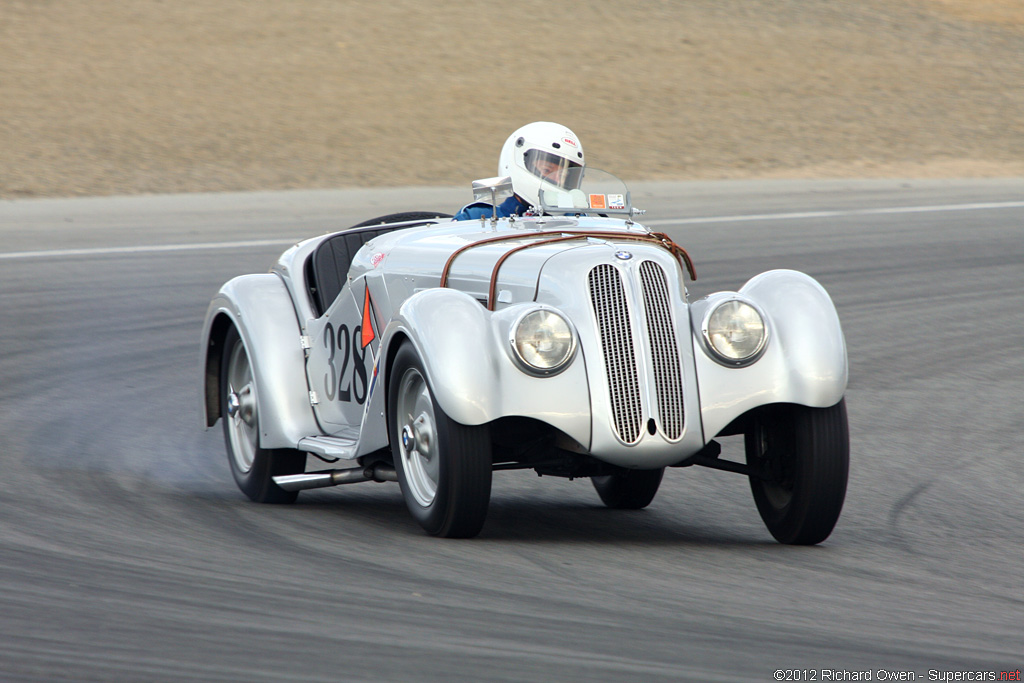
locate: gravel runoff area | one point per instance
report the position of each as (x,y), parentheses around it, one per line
(153,96)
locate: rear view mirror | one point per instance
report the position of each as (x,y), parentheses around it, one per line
(490,189)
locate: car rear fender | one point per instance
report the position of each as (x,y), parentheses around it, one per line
(804,362)
(260,308)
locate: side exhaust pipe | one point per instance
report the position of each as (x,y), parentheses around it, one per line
(318,480)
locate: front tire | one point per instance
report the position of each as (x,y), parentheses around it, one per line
(253,467)
(629,490)
(444,468)
(804,456)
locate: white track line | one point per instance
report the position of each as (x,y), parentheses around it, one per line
(147,249)
(837,214)
(159,248)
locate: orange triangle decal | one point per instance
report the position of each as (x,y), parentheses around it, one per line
(368,334)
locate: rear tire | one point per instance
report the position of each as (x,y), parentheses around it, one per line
(805,452)
(630,490)
(253,468)
(444,468)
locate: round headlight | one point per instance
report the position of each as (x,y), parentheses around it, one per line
(735,332)
(543,341)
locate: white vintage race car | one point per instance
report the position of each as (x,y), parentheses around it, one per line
(432,352)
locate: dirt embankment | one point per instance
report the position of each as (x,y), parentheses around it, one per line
(130,96)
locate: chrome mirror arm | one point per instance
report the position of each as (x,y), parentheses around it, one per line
(489,188)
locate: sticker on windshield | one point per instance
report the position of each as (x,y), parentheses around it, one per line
(597,201)
(616,201)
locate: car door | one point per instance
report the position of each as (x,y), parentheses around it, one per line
(344,344)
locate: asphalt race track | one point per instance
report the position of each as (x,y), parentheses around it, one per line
(127,552)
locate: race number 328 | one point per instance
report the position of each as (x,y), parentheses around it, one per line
(339,382)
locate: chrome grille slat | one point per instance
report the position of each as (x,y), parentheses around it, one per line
(612,311)
(661,334)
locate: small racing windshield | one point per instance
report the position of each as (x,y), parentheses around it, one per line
(599,192)
(553,168)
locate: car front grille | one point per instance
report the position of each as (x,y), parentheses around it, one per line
(609,299)
(611,308)
(661,334)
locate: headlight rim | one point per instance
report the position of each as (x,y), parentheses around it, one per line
(522,363)
(718,356)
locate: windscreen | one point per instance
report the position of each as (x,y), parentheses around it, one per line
(599,192)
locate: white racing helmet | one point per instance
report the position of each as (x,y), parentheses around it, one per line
(541,155)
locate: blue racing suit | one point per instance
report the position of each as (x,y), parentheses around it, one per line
(509,207)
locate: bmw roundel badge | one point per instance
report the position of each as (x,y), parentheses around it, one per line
(623,255)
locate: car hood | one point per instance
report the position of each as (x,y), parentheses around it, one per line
(466,254)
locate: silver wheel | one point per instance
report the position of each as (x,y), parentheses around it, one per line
(252,466)
(242,427)
(418,433)
(443,467)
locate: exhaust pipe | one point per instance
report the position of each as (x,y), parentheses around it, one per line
(318,480)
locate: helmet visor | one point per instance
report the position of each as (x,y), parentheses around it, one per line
(557,170)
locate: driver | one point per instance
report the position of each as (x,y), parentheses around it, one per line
(538,156)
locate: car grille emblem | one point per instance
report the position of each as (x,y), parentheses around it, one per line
(623,255)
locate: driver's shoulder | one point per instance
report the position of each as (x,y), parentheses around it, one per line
(475,210)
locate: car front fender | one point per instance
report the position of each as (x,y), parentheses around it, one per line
(465,352)
(805,360)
